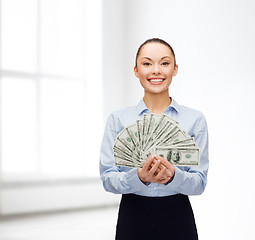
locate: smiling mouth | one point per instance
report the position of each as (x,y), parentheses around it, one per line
(156,80)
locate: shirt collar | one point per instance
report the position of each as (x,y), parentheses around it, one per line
(141,107)
(174,105)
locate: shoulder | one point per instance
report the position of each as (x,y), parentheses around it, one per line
(124,117)
(184,112)
(192,113)
(191,119)
(120,113)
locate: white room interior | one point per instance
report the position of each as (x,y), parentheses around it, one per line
(65,65)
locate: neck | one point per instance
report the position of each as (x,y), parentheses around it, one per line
(157,103)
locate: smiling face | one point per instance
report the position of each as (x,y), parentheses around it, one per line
(155,67)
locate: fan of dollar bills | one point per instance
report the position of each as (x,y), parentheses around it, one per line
(155,134)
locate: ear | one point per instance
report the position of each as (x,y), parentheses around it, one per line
(175,70)
(136,72)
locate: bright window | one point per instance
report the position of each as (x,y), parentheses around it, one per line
(50,85)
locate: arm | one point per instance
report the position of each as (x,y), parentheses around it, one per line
(116,179)
(192,180)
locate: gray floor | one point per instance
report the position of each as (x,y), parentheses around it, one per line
(96,224)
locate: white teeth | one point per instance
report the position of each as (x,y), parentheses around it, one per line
(156,80)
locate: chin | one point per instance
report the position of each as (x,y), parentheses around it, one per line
(159,91)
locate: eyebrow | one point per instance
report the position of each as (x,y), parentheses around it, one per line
(166,57)
(161,58)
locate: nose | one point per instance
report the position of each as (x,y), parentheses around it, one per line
(156,69)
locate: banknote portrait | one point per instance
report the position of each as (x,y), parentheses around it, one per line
(173,156)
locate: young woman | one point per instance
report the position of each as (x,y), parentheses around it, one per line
(155,203)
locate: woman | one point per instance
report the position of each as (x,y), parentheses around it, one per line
(155,202)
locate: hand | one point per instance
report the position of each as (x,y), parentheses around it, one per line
(155,169)
(170,170)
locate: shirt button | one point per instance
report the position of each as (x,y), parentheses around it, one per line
(154,188)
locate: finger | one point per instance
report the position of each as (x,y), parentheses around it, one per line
(157,157)
(161,174)
(147,164)
(157,171)
(167,179)
(163,161)
(154,167)
(159,168)
(154,161)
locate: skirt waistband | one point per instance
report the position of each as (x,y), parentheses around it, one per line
(150,200)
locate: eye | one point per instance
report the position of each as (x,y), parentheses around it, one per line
(165,63)
(146,64)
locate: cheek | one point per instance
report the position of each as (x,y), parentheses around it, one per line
(169,72)
(144,72)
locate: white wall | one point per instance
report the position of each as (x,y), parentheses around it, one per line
(56,195)
(214,46)
(113,51)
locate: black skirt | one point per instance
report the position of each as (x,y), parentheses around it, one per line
(166,218)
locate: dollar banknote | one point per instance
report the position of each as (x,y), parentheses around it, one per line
(155,134)
(179,156)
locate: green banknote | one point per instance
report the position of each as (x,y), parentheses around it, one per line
(155,134)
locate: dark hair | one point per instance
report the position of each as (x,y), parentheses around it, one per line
(154,40)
